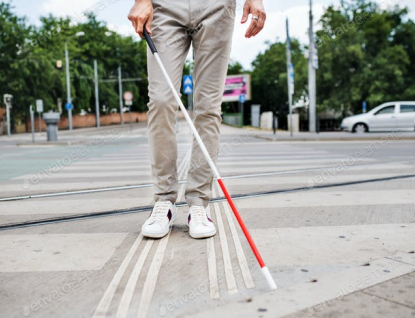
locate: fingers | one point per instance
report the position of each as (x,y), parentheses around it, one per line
(148,24)
(246,13)
(134,24)
(139,15)
(251,28)
(256,24)
(137,24)
(149,13)
(139,28)
(256,9)
(259,25)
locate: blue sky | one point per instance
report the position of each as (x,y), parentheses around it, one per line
(115,12)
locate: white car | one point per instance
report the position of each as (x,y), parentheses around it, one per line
(393,116)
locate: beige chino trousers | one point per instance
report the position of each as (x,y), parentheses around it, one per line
(208,26)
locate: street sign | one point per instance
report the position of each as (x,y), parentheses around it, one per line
(128,103)
(315,57)
(291,78)
(242,98)
(39,106)
(8,100)
(128,96)
(68,106)
(364,106)
(188,84)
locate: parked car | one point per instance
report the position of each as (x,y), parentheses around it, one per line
(393,116)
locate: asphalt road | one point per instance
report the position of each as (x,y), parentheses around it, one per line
(334,220)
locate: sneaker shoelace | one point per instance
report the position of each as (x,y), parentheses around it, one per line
(159,212)
(198,215)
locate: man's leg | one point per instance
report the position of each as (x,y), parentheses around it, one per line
(212,42)
(172,42)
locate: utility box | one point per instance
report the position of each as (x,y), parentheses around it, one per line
(51,120)
(295,121)
(255,115)
(233,119)
(266,120)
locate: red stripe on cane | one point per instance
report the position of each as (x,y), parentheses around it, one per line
(242,224)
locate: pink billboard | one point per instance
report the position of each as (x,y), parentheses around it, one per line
(235,86)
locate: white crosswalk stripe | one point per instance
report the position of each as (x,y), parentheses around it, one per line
(322,234)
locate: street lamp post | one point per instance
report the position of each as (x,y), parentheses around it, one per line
(120,89)
(68,85)
(68,78)
(311,75)
(96,82)
(290,78)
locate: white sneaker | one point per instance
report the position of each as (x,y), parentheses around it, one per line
(200,225)
(160,220)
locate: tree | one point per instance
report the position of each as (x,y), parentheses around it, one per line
(28,57)
(14,34)
(235,68)
(269,77)
(366,54)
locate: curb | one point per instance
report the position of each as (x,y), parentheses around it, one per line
(332,139)
(52,143)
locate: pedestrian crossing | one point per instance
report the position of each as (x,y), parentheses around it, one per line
(156,262)
(326,235)
(152,275)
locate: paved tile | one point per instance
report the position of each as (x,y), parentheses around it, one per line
(317,293)
(400,290)
(328,245)
(56,252)
(315,242)
(357,305)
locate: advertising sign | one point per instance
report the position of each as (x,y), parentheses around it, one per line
(235,86)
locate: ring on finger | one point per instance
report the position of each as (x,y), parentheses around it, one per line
(255,18)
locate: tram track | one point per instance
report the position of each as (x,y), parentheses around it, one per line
(93,215)
(149,185)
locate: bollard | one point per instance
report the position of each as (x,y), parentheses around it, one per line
(51,119)
(32,122)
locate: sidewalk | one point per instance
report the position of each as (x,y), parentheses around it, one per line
(72,137)
(283,135)
(79,136)
(338,242)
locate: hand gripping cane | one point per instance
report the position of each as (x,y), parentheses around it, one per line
(196,135)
